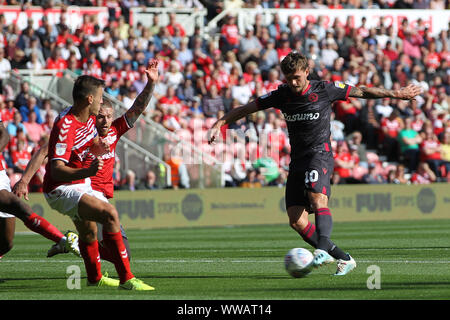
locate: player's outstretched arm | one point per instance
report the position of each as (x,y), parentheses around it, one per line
(20,189)
(230,117)
(405,93)
(4,137)
(143,99)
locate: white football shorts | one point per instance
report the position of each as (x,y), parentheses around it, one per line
(5,184)
(65,198)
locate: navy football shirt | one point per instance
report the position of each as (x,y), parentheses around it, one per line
(308,114)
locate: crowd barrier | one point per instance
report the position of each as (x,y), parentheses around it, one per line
(242,206)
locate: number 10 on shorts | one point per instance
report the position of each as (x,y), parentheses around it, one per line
(311,176)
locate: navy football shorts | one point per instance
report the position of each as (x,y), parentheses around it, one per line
(311,173)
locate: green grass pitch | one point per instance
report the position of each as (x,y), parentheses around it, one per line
(246,262)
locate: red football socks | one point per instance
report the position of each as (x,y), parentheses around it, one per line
(114,244)
(91,257)
(39,225)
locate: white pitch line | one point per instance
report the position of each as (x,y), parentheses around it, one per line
(4,260)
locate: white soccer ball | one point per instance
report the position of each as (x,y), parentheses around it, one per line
(298,262)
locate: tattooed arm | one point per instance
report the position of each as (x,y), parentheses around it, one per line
(143,99)
(406,93)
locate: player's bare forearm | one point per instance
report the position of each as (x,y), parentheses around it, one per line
(63,173)
(35,163)
(4,137)
(232,116)
(140,104)
(143,99)
(406,93)
(239,112)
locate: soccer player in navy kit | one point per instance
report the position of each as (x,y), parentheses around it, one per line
(306,106)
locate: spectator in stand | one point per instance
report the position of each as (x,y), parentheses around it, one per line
(355,140)
(31,106)
(390,127)
(344,163)
(20,157)
(5,68)
(180,176)
(249,47)
(431,154)
(34,63)
(252,179)
(169,99)
(445,147)
(170,120)
(373,177)
(242,91)
(400,177)
(56,61)
(411,43)
(173,24)
(423,175)
(212,103)
(47,109)
(185,55)
(390,52)
(229,35)
(130,181)
(34,129)
(409,141)
(129,97)
(337,129)
(48,123)
(276,27)
(114,88)
(19,60)
(14,125)
(173,76)
(269,56)
(149,182)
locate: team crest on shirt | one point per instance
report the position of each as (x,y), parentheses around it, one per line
(313,97)
(60,149)
(339,84)
(110,139)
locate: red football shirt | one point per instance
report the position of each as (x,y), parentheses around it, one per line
(103,180)
(69,141)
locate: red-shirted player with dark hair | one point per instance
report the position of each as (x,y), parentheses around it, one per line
(102,184)
(11,207)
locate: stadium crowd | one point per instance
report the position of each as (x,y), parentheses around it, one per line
(374,141)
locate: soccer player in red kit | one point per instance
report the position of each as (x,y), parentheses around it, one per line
(11,207)
(306,106)
(67,186)
(110,132)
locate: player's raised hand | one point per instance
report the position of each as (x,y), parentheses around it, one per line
(20,189)
(152,71)
(214,132)
(409,92)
